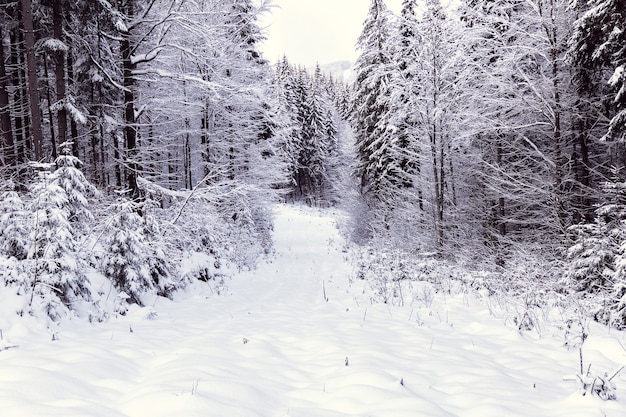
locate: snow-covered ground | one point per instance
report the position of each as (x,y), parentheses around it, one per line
(297,338)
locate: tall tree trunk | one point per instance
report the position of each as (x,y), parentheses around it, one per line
(70,83)
(116,157)
(501,223)
(130,124)
(6,131)
(437,191)
(59,71)
(46,77)
(95,137)
(559,192)
(31,65)
(206,126)
(186,146)
(584,173)
(19,98)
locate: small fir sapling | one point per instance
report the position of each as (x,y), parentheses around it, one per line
(133,259)
(75,184)
(597,266)
(13,231)
(14,243)
(58,278)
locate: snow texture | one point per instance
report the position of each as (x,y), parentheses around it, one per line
(55,45)
(298,337)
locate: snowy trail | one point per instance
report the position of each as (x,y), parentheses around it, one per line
(273,346)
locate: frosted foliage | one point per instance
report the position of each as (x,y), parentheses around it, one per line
(76,186)
(599,41)
(13,233)
(132,261)
(597,264)
(77,115)
(55,45)
(59,278)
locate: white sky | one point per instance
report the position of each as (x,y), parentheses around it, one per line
(316,31)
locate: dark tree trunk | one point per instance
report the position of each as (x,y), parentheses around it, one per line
(59,60)
(130,124)
(19,98)
(501,203)
(74,136)
(70,83)
(46,76)
(6,131)
(31,65)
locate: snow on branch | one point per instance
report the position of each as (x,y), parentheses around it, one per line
(68,104)
(180,77)
(107,76)
(55,45)
(120,25)
(77,115)
(142,58)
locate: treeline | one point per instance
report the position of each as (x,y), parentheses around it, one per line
(142,148)
(144,143)
(309,104)
(131,84)
(494,132)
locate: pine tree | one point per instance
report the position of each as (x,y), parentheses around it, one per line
(600,41)
(370,103)
(407,85)
(75,184)
(132,260)
(59,278)
(13,231)
(597,260)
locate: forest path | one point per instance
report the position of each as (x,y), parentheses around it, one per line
(296,338)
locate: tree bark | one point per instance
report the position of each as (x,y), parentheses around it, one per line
(6,131)
(70,82)
(48,98)
(19,98)
(130,123)
(32,79)
(59,60)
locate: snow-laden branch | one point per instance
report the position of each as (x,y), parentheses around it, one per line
(180,77)
(55,45)
(107,76)
(147,57)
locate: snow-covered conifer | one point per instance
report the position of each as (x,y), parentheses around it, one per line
(597,260)
(76,185)
(370,99)
(600,41)
(13,231)
(132,258)
(58,275)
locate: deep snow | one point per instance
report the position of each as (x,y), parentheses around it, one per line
(300,337)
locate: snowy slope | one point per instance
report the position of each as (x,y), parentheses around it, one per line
(297,338)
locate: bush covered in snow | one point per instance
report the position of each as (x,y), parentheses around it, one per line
(132,258)
(597,261)
(64,255)
(58,273)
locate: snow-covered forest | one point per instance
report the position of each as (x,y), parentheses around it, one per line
(479,149)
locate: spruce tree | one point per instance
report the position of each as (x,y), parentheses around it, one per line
(58,273)
(597,260)
(370,99)
(133,260)
(600,41)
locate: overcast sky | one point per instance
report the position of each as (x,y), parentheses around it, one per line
(316,31)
